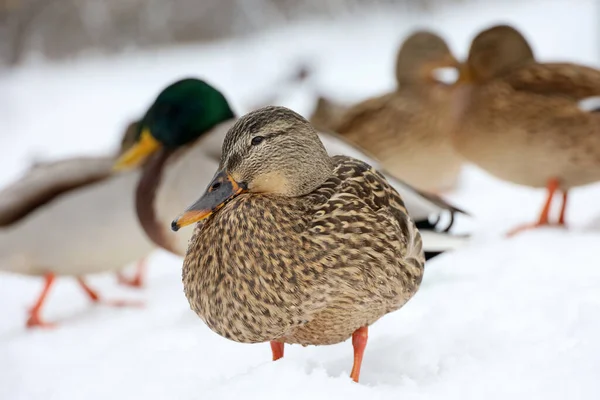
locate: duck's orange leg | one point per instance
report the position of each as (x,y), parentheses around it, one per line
(34,314)
(544,215)
(95,297)
(277,350)
(359,342)
(561,218)
(138,279)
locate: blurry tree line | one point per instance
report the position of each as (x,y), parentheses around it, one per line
(62,28)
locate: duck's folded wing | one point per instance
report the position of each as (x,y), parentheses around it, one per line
(48,180)
(421,206)
(556,79)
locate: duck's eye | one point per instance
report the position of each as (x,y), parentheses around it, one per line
(256,140)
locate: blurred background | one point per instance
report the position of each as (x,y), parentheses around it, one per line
(104,60)
(74,73)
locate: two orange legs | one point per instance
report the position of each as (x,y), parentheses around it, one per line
(137,281)
(544,219)
(359,342)
(35,320)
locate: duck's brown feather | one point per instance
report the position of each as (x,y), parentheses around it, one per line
(308,270)
(559,79)
(529,137)
(406,130)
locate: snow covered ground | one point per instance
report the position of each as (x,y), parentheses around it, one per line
(502,318)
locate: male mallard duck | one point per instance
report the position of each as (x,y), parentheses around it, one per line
(180,143)
(57,219)
(521,121)
(406,129)
(296,246)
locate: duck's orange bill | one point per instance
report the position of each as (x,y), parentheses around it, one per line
(221,189)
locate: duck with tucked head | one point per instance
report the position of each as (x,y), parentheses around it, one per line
(522,121)
(295,246)
(407,128)
(181,139)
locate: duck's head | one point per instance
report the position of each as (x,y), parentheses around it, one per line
(272,151)
(494,52)
(180,114)
(420,55)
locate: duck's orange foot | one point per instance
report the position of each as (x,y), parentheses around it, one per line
(95,297)
(528,227)
(277,350)
(135,282)
(122,303)
(35,321)
(138,279)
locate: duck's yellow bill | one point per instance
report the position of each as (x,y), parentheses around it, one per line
(221,190)
(144,147)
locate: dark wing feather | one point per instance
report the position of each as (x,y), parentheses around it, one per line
(48,180)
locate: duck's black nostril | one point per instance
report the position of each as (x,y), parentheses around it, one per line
(215,185)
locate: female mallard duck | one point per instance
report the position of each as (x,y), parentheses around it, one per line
(180,142)
(406,129)
(56,221)
(521,121)
(295,246)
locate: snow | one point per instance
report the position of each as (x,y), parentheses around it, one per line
(502,318)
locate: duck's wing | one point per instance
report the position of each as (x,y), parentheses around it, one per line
(47,180)
(373,188)
(361,199)
(420,205)
(573,81)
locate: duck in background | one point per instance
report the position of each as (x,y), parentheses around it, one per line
(407,129)
(58,218)
(294,246)
(181,139)
(523,121)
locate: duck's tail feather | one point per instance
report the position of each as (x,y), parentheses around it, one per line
(427,224)
(436,243)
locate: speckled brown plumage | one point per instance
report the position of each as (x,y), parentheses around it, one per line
(407,129)
(309,268)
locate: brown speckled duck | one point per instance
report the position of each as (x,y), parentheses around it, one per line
(521,120)
(295,246)
(407,129)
